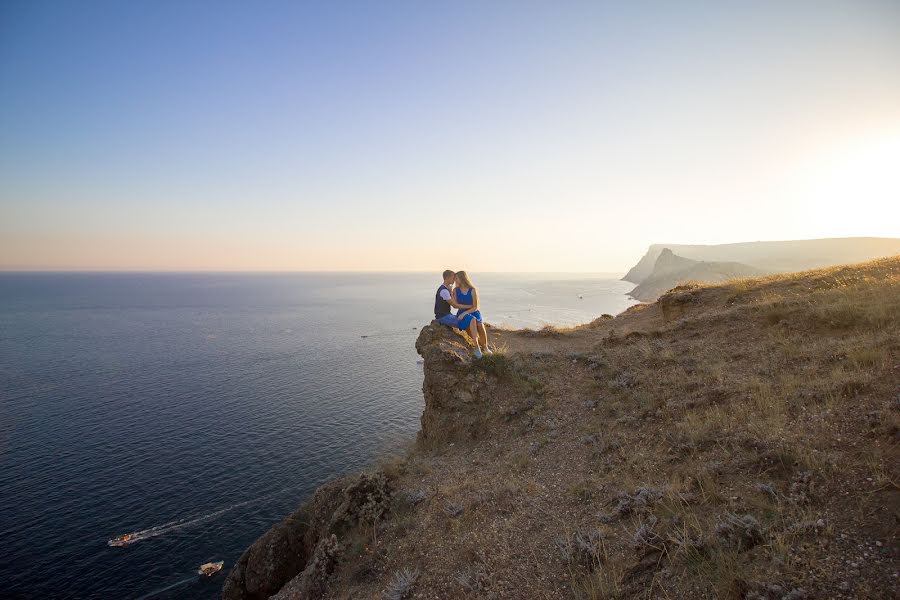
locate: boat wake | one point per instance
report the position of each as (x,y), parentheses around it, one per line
(126,539)
(145,534)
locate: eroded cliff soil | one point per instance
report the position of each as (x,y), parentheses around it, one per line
(729,441)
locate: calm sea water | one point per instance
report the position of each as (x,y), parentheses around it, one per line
(202,408)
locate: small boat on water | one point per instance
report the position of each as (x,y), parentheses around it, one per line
(210,568)
(122,540)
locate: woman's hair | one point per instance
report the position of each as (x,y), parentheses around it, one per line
(462,278)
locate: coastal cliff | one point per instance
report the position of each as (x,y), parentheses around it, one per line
(736,440)
(671,270)
(772,257)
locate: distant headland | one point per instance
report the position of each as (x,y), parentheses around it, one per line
(666,265)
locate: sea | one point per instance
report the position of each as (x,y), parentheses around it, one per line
(195,410)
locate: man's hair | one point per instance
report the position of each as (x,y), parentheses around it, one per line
(448,273)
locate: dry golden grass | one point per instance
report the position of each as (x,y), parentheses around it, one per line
(746,437)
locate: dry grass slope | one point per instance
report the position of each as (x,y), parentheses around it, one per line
(737,440)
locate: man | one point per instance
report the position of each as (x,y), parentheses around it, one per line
(443,301)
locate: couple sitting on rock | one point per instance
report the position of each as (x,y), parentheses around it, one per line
(458,292)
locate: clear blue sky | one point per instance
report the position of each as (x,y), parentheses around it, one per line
(410,135)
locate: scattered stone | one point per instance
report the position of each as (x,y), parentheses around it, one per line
(801,489)
(776,592)
(803,527)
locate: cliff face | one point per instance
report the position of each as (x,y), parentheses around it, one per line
(671,270)
(773,257)
(464,399)
(295,558)
(644,266)
(454,407)
(727,441)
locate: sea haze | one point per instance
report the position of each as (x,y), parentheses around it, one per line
(202,408)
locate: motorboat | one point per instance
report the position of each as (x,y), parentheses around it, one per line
(210,568)
(122,540)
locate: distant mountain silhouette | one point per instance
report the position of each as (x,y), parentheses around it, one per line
(671,270)
(773,257)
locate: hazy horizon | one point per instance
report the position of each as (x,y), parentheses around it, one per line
(560,273)
(302,271)
(354,137)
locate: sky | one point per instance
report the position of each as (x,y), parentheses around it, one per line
(490,136)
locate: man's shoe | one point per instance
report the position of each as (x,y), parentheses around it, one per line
(478,353)
(488,351)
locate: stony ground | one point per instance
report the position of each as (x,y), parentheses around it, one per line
(731,441)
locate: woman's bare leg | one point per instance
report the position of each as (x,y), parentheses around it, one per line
(483,333)
(473,332)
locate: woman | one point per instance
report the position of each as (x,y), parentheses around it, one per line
(470,319)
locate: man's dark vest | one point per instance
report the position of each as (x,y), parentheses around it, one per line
(441,306)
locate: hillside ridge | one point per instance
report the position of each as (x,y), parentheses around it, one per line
(736,440)
(774,256)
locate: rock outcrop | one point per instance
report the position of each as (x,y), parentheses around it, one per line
(451,389)
(294,559)
(465,399)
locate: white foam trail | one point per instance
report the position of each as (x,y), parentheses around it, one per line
(158,530)
(152,532)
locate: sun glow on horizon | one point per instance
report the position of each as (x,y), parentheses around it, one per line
(853,186)
(528,138)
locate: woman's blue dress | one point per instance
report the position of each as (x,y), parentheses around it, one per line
(466,298)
